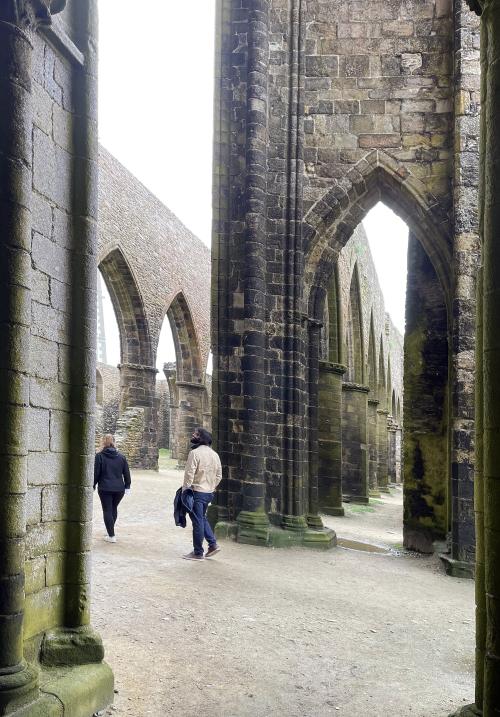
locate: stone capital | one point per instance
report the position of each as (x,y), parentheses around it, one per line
(30,14)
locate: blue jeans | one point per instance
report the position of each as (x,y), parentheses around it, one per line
(201,526)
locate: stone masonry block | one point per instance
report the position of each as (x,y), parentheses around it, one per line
(35,574)
(47,468)
(33,506)
(59,431)
(322,66)
(49,394)
(39,435)
(44,358)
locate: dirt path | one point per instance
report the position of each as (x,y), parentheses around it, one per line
(262,633)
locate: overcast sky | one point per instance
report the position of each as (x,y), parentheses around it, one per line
(155,97)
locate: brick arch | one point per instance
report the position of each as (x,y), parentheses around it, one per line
(135,341)
(187,347)
(331,221)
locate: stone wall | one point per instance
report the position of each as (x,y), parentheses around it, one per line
(155,269)
(48,212)
(323,109)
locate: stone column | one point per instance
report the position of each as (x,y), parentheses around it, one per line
(17,680)
(490,218)
(373,404)
(330,438)
(399,445)
(189,416)
(382,451)
(465,264)
(391,436)
(138,390)
(355,442)
(487,478)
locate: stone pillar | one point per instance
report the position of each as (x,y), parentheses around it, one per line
(426,406)
(382,451)
(138,390)
(490,224)
(355,442)
(391,436)
(171,376)
(330,438)
(189,416)
(373,404)
(399,445)
(487,477)
(17,680)
(460,561)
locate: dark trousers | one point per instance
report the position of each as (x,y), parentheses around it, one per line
(109,502)
(201,526)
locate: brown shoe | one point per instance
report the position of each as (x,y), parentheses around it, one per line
(212,550)
(193,556)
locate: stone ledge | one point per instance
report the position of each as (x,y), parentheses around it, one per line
(457,569)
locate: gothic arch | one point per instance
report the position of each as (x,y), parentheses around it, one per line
(330,222)
(187,347)
(135,341)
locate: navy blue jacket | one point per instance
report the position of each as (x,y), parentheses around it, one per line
(183,504)
(111,471)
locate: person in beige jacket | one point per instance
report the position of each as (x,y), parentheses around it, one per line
(202,475)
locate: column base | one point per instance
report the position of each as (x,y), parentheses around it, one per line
(78,646)
(255,529)
(360,499)
(384,489)
(375,493)
(78,691)
(314,522)
(18,687)
(467,711)
(457,568)
(332,510)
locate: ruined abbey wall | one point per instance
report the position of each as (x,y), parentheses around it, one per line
(154,267)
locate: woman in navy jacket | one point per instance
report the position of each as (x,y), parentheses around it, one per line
(112,478)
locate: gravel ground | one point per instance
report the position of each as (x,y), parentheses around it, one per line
(291,632)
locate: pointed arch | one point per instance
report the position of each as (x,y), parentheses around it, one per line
(371,366)
(377,177)
(135,340)
(354,332)
(187,346)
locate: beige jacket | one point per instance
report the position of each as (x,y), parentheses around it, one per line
(203,470)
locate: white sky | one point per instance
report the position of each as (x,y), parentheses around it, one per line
(155,116)
(388,238)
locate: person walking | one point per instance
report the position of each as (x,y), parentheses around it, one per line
(112,478)
(202,475)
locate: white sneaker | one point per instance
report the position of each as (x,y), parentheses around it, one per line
(109,539)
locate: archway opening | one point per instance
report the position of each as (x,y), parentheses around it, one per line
(108,359)
(385,323)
